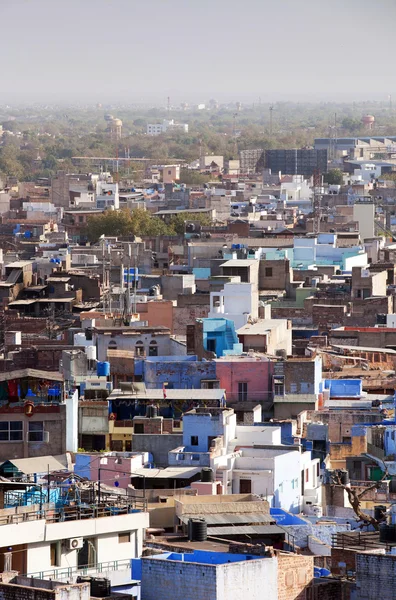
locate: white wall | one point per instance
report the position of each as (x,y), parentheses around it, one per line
(72,422)
(363,213)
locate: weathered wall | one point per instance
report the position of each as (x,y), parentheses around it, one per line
(375,577)
(294,574)
(157,445)
(183,316)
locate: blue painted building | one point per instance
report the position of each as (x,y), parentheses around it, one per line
(219,335)
(178,372)
(343,388)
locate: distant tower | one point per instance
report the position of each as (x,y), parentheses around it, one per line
(238,106)
(115,126)
(368,121)
(169,104)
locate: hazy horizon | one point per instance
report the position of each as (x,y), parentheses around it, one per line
(125,51)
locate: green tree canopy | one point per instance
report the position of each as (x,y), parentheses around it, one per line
(334,177)
(126,222)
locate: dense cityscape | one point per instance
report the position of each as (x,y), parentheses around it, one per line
(197,311)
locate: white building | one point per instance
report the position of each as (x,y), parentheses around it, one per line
(166,125)
(43,545)
(250,460)
(236,302)
(107,195)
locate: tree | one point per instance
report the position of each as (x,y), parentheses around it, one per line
(178,222)
(125,222)
(334,177)
(355,500)
(191,177)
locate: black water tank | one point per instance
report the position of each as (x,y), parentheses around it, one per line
(207,475)
(197,530)
(100,587)
(379,511)
(387,533)
(151,411)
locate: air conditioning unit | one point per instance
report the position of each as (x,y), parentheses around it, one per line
(75,543)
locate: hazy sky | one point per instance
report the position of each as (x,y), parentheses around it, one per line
(136,50)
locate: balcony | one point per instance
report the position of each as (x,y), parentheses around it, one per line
(73,513)
(105,569)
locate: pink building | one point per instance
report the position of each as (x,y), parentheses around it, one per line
(245,378)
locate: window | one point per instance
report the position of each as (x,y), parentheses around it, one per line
(138,428)
(169,172)
(268,271)
(293,388)
(55,550)
(124,538)
(306,475)
(153,348)
(317,469)
(139,348)
(11,431)
(81,219)
(245,486)
(36,431)
(194,440)
(112,345)
(242,391)
(279,386)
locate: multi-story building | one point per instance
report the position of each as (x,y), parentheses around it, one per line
(298,161)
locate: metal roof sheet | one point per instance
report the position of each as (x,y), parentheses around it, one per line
(38,464)
(246,530)
(230,518)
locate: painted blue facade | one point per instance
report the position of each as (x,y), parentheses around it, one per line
(179,372)
(282,517)
(219,335)
(343,388)
(199,428)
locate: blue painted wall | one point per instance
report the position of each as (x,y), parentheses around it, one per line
(178,372)
(222,331)
(202,426)
(344,388)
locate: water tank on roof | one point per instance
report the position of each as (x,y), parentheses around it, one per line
(90,351)
(197,530)
(387,533)
(103,369)
(207,475)
(80,339)
(151,411)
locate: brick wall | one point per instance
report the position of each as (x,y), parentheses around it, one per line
(183,316)
(342,560)
(375,576)
(294,574)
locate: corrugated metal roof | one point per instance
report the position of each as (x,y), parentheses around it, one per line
(18,373)
(230,518)
(38,464)
(246,530)
(168,473)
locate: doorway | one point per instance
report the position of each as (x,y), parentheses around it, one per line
(245,486)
